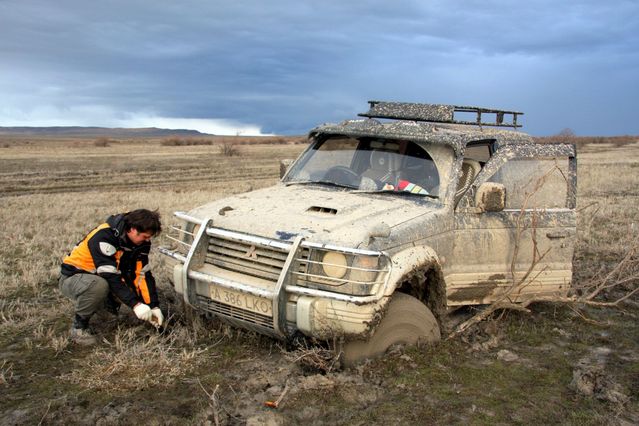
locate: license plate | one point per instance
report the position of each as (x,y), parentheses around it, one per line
(245,301)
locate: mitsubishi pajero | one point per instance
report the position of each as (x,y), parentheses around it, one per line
(383,226)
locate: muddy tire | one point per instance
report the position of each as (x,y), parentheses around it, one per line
(406,321)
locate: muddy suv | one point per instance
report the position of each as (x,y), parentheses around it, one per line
(384,225)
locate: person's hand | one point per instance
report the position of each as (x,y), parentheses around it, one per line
(143,312)
(157,318)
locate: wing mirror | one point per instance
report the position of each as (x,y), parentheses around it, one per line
(490,197)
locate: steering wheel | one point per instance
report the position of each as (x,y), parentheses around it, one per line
(342,175)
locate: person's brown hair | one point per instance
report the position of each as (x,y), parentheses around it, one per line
(144,221)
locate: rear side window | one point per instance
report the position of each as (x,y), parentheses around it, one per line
(534,183)
(479,152)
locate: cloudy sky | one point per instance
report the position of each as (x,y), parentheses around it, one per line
(283,66)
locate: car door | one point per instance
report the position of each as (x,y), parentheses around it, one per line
(525,250)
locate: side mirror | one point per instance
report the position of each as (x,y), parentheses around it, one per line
(284,165)
(490,197)
(380,230)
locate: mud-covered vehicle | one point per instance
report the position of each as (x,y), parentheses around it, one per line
(384,225)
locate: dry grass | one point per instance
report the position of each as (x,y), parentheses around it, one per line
(53,190)
(48,337)
(568,137)
(138,166)
(6,373)
(607,222)
(137,361)
(175,141)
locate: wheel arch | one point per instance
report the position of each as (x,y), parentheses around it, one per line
(417,272)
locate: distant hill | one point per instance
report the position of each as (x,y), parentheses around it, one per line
(149,132)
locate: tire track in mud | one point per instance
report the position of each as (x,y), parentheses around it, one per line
(44,171)
(35,178)
(41,180)
(138,180)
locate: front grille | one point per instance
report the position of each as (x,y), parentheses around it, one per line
(250,259)
(234,312)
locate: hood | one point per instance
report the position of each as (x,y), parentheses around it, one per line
(323,215)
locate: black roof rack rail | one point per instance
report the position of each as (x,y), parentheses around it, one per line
(439,113)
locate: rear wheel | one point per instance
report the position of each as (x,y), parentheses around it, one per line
(407,321)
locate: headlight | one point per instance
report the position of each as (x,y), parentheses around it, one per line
(364,268)
(334,264)
(343,272)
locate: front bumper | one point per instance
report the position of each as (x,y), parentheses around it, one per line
(239,289)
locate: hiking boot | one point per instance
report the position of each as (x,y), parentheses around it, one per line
(80,332)
(82,336)
(112,306)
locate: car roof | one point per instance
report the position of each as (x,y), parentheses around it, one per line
(455,135)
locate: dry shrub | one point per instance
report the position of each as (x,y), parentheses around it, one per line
(229,149)
(135,361)
(175,141)
(313,357)
(103,142)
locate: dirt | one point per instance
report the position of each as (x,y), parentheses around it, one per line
(507,370)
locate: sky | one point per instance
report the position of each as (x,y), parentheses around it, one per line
(282,67)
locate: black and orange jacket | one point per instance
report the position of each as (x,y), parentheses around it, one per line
(107,252)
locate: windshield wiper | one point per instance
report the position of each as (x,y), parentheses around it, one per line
(298,182)
(319,182)
(386,191)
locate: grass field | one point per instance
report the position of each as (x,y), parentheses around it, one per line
(516,368)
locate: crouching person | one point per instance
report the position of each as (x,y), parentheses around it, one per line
(110,266)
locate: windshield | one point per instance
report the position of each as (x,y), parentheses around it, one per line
(375,165)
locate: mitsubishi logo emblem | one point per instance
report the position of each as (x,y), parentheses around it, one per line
(251,253)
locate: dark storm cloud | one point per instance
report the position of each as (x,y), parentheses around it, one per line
(285,66)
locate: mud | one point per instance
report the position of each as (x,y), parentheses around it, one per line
(475,378)
(591,379)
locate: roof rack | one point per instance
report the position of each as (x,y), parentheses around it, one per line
(439,113)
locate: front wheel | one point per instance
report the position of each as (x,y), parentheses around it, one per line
(407,321)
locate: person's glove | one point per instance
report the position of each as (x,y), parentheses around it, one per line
(158,318)
(143,312)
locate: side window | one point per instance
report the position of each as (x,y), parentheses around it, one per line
(534,183)
(475,156)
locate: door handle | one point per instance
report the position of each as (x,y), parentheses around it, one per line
(558,234)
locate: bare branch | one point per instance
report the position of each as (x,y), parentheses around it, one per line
(214,402)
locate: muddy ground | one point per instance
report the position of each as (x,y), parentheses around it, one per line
(557,364)
(547,367)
